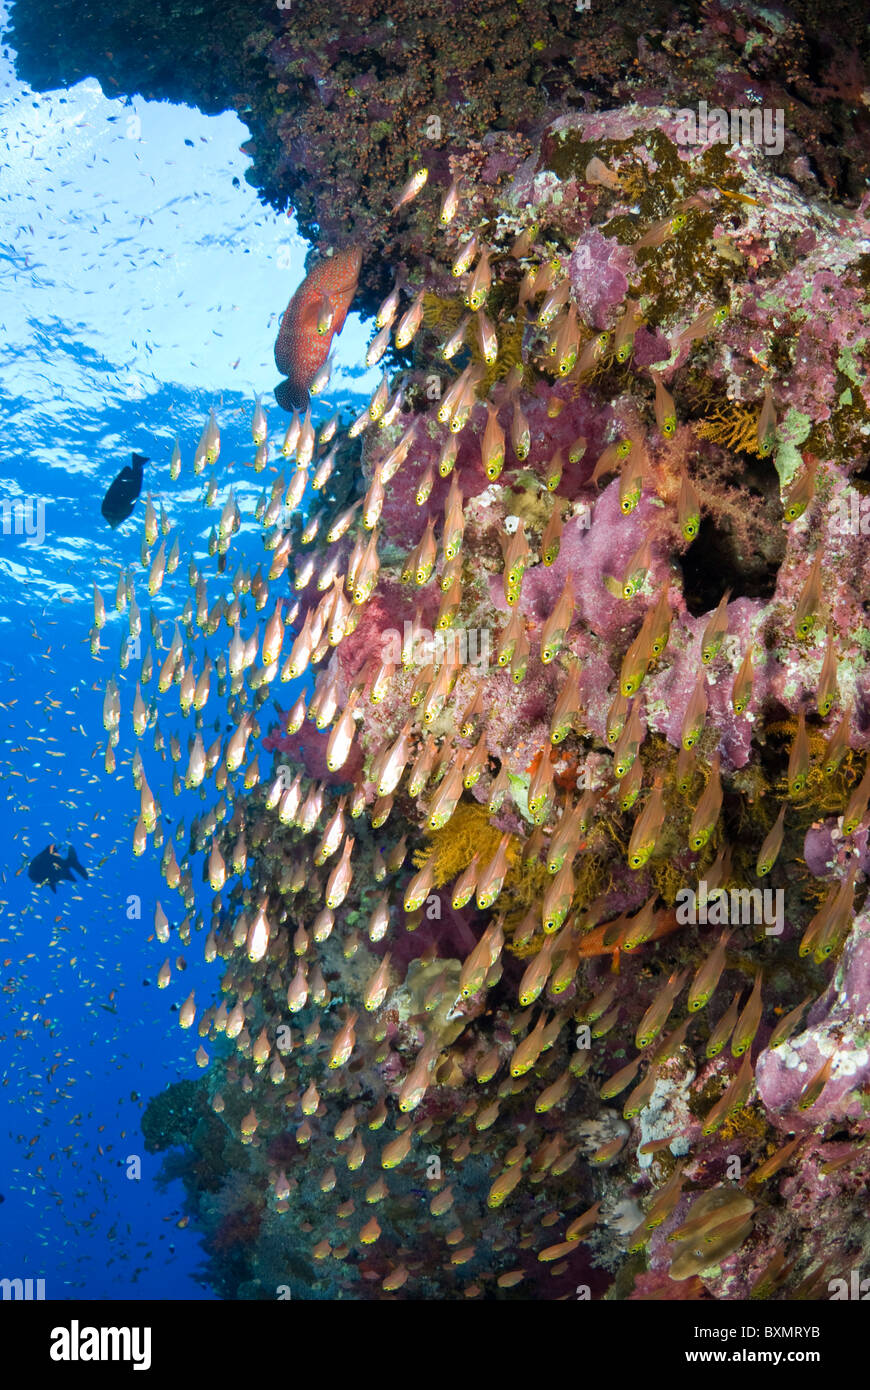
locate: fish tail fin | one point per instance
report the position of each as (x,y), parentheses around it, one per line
(72,861)
(291,397)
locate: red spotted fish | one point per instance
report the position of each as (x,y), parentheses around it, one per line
(314,315)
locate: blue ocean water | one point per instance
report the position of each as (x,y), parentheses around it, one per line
(140,285)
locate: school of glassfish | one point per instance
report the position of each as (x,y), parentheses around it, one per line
(478,1078)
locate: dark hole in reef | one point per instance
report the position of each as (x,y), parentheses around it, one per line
(742,551)
(862,476)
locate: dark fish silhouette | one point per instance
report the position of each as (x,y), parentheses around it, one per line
(48,867)
(120,500)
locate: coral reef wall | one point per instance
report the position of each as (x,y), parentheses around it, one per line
(545,942)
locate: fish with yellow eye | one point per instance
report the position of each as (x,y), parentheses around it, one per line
(345,1041)
(480,283)
(537,973)
(826,690)
(415,183)
(641,1096)
(840,918)
(661,231)
(592,353)
(566,838)
(856,808)
(641,927)
(688,508)
(492,875)
(660,625)
(647,828)
(707,811)
(626,328)
(612,458)
(449,204)
(799,758)
(447,457)
(707,976)
(508,639)
(657,1014)
(376,989)
(410,322)
(424,487)
(504,1185)
(555,301)
(835,748)
(416,1083)
(817,1083)
(724,1028)
(696,713)
(627,747)
(454,343)
(529,1050)
(769,852)
(557,899)
(776,1161)
(631,481)
(487,338)
(733,1099)
(629,791)
(715,631)
(553,476)
(741,691)
(426,554)
(747,1024)
(521,435)
(557,625)
(567,343)
(516,558)
(810,599)
(801,492)
(492,447)
(636,571)
(466,255)
(620,1079)
(766,432)
(551,537)
(420,886)
(566,708)
(665,410)
(700,327)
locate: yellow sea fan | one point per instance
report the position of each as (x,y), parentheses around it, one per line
(733,426)
(468,832)
(442,313)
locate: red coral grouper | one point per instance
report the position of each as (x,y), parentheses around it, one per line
(315,313)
